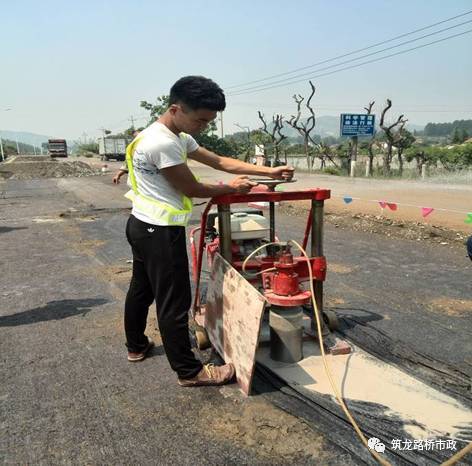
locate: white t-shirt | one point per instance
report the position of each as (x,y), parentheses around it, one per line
(159,148)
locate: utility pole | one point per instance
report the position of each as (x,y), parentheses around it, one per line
(131,119)
(221,121)
(353,155)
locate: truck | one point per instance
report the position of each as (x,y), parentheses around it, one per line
(112,148)
(57,147)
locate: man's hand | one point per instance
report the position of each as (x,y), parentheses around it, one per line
(242,185)
(282,173)
(118,175)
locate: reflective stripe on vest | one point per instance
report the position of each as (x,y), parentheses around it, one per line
(154,209)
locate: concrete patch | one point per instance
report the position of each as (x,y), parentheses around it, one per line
(424,411)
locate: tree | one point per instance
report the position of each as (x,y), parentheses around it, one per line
(129,133)
(447,129)
(157,109)
(403,141)
(275,135)
(304,129)
(464,135)
(423,156)
(344,152)
(391,135)
(325,152)
(458,157)
(456,136)
(241,140)
(372,141)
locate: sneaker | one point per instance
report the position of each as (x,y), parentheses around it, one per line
(136,357)
(210,375)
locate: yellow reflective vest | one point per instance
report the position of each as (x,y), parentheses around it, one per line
(163,213)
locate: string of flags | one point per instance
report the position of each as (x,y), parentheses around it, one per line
(393,206)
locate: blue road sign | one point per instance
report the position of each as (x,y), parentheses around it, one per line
(353,124)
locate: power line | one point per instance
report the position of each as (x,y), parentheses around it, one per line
(357,58)
(268,78)
(352,66)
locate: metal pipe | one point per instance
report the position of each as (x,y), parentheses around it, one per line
(317,228)
(307,229)
(317,251)
(201,244)
(271,249)
(224,233)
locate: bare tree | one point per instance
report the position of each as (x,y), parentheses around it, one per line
(304,129)
(275,134)
(391,135)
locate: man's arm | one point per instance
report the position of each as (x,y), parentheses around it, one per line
(229,165)
(182,179)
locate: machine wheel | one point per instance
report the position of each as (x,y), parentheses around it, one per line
(331,320)
(201,337)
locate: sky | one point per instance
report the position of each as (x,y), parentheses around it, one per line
(69,68)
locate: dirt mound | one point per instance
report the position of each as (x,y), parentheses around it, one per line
(28,168)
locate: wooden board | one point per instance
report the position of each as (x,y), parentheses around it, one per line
(233,315)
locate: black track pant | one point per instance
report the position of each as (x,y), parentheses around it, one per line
(160,273)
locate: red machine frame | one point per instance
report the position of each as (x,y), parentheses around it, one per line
(284,295)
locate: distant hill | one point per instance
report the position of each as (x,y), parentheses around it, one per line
(25,137)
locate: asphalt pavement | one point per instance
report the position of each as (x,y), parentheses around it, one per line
(68,395)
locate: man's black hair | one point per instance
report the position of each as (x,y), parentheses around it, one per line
(198,92)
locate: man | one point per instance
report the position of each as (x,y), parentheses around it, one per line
(162,187)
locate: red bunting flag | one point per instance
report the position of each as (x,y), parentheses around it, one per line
(392,206)
(425,211)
